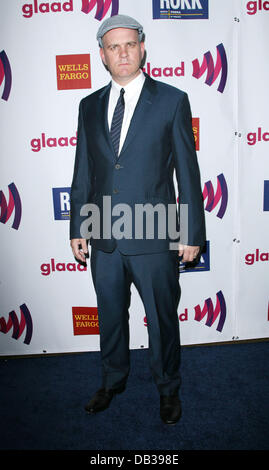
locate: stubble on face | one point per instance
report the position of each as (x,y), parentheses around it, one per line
(122,53)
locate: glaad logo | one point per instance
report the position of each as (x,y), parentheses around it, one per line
(251,258)
(61,203)
(5,73)
(253,7)
(165,71)
(51,267)
(213,71)
(266,196)
(211,312)
(28,9)
(38,144)
(213,199)
(18,327)
(180,9)
(102,7)
(259,136)
(14,204)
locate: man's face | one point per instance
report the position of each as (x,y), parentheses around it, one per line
(122,54)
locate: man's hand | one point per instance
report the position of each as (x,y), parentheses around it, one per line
(189,253)
(79,248)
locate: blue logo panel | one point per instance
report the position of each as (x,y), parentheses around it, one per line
(61,203)
(266,196)
(180,9)
(203,265)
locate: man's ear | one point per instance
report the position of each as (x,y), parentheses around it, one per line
(102,55)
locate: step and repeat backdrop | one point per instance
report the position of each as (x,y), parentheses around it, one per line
(214,50)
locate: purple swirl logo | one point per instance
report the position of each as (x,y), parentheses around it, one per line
(212,313)
(5,73)
(214,198)
(102,7)
(213,70)
(13,205)
(25,324)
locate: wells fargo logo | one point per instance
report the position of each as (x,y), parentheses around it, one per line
(85,321)
(196,132)
(73,71)
(5,73)
(12,206)
(102,7)
(25,324)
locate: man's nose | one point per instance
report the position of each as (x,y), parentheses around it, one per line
(123,51)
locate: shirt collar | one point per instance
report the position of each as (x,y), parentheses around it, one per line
(131,88)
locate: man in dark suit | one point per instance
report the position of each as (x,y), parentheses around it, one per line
(133,135)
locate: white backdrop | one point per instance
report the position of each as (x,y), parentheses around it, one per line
(48,303)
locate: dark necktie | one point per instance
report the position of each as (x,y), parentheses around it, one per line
(116,125)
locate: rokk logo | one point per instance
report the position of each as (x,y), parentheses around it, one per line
(102,7)
(85,321)
(266,196)
(213,71)
(214,198)
(61,203)
(73,71)
(211,312)
(18,326)
(180,9)
(13,205)
(5,73)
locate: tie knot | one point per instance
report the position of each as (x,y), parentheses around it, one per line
(121,96)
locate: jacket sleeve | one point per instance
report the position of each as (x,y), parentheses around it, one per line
(82,183)
(188,174)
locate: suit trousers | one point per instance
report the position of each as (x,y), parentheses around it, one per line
(156,278)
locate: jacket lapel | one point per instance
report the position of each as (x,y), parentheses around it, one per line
(141,112)
(104,98)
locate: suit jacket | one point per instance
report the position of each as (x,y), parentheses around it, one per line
(159,144)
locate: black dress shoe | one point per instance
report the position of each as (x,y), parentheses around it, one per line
(101,400)
(170,409)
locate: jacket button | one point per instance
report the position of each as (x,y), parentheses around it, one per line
(115,191)
(117,166)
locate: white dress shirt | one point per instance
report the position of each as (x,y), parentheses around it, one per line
(131,96)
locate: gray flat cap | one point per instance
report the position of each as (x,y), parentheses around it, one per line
(118,21)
